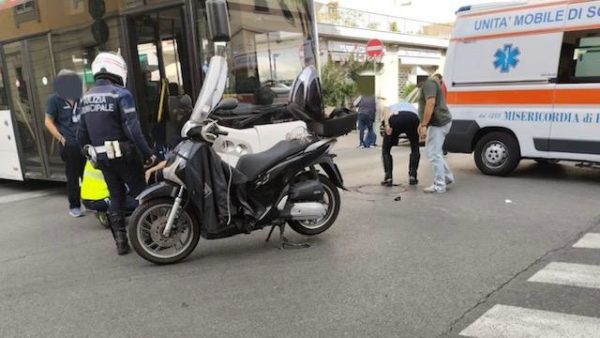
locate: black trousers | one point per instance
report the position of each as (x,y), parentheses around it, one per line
(102,205)
(402,123)
(74,166)
(121,174)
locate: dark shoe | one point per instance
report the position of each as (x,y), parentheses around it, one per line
(122,243)
(103,219)
(387,182)
(413,180)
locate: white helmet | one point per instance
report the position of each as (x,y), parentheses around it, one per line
(110,65)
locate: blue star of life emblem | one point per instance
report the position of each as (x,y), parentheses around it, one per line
(507,58)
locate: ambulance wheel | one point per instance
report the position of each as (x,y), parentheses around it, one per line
(497,154)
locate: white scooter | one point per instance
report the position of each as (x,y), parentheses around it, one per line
(240,142)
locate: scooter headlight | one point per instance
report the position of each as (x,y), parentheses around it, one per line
(241,149)
(228,147)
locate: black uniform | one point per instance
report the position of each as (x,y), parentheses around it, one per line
(108,114)
(402,121)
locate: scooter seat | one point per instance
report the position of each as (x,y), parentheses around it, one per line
(252,165)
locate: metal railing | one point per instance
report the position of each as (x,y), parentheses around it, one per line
(354,18)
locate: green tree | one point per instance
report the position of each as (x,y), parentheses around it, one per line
(339,80)
(332,79)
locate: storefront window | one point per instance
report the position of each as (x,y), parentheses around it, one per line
(127,4)
(271,44)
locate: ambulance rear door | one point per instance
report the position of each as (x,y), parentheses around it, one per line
(575,132)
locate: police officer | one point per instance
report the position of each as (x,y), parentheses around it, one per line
(110,124)
(401,118)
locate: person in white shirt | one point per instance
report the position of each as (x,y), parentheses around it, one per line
(401,118)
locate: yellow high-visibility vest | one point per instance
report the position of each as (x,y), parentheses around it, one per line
(93,187)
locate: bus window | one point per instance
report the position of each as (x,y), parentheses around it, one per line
(580,57)
(271,44)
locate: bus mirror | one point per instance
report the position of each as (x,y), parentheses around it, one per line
(217,15)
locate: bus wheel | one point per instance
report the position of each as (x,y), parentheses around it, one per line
(497,154)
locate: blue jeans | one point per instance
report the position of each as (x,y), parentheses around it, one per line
(436,136)
(366,124)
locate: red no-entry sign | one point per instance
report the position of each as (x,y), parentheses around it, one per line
(375,48)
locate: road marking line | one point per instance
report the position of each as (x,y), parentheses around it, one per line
(512,321)
(589,241)
(25,196)
(580,275)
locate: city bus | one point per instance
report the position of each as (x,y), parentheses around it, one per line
(166,48)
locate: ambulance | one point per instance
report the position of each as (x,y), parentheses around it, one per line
(523,82)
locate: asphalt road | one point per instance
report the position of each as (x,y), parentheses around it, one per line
(425,266)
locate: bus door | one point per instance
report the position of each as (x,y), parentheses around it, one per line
(10,165)
(30,76)
(159,51)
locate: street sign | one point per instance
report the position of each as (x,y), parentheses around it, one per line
(375,48)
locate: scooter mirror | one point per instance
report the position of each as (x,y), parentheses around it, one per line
(217,14)
(227,104)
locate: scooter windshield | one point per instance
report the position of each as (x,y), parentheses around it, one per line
(212,89)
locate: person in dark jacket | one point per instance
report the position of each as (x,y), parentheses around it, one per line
(62,121)
(367,109)
(110,124)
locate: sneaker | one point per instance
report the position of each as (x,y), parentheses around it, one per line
(75,212)
(412,180)
(434,190)
(449,181)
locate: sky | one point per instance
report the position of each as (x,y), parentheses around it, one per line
(427,10)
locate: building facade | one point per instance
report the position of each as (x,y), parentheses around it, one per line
(413,49)
(165,44)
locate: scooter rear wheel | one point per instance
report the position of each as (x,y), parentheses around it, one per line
(332,198)
(145,232)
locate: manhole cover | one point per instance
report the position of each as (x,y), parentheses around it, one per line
(378,190)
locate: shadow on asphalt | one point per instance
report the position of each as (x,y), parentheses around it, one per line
(31,184)
(219,251)
(557,171)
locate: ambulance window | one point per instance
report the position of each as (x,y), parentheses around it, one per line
(580,57)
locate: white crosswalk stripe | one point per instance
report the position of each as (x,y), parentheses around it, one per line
(580,275)
(589,241)
(516,322)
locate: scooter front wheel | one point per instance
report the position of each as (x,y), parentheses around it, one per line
(146,232)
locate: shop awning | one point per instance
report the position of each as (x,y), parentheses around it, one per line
(6,4)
